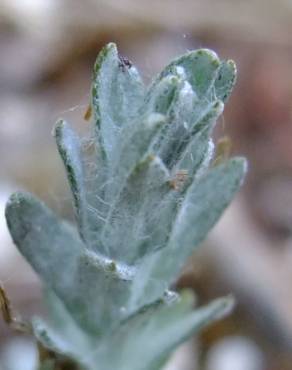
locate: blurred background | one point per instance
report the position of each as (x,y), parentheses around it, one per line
(47,50)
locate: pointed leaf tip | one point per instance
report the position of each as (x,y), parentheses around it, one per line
(58,127)
(110,48)
(69,148)
(14,210)
(225,80)
(223,307)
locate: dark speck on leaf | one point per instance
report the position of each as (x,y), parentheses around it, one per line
(124,63)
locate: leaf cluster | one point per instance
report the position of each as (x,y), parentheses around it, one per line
(145,195)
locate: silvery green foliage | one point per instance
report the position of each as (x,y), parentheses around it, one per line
(145,196)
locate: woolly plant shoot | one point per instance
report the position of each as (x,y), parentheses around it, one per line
(146,191)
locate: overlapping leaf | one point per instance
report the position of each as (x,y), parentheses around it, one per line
(154,333)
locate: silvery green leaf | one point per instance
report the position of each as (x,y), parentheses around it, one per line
(198,71)
(128,223)
(69,148)
(64,347)
(94,178)
(83,281)
(49,244)
(181,143)
(84,179)
(197,156)
(225,80)
(117,93)
(152,334)
(105,287)
(180,118)
(49,338)
(160,98)
(136,146)
(199,67)
(205,200)
(62,326)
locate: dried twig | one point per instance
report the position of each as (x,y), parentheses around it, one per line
(12,319)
